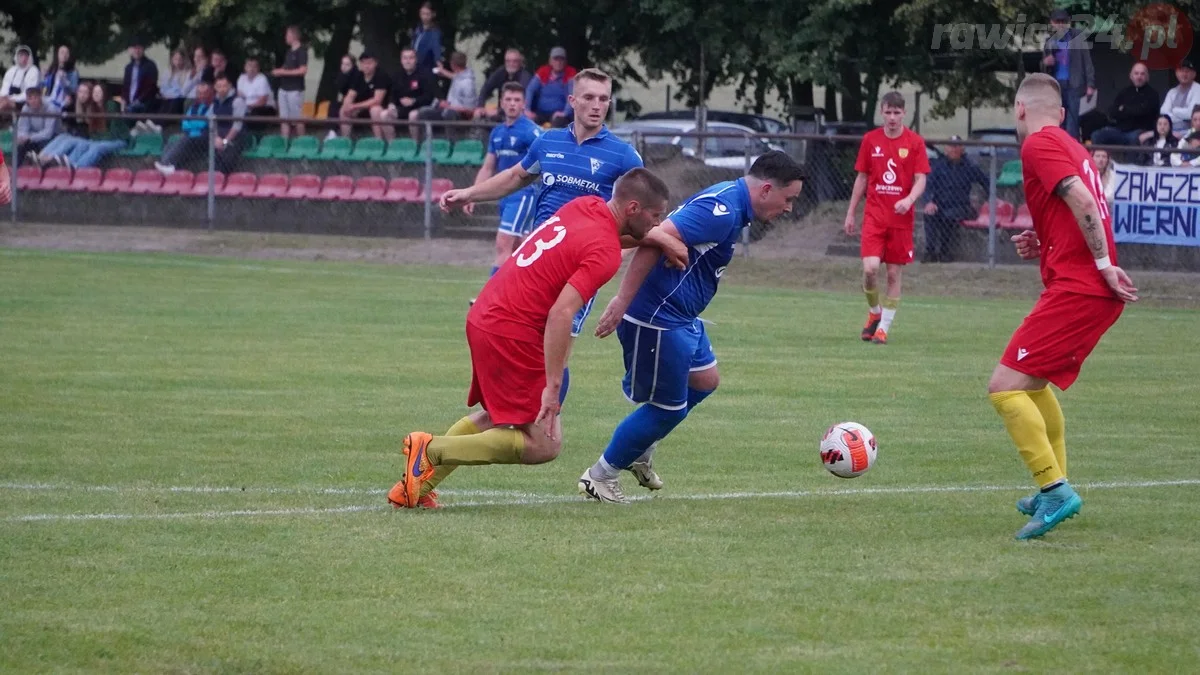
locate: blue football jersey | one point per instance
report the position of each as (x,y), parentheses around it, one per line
(510,143)
(710,223)
(568,169)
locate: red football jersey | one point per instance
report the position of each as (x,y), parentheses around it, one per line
(890,165)
(1047,157)
(579,245)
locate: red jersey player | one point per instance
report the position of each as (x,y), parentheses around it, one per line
(5,184)
(892,166)
(1085,293)
(519,334)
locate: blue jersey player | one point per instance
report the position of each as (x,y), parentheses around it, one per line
(581,160)
(670,366)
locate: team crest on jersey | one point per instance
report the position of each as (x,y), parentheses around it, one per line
(512,140)
(903,153)
(596,164)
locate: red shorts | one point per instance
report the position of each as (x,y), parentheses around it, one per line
(892,245)
(507,377)
(1063,328)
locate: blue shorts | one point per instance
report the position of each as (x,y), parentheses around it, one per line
(581,316)
(516,214)
(659,362)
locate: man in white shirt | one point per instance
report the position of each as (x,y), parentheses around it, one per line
(255,89)
(1179,102)
(22,76)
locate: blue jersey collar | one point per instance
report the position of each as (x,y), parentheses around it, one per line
(604,133)
(744,191)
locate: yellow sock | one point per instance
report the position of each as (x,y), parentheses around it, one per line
(872,298)
(463,427)
(494,446)
(1056,424)
(1028,430)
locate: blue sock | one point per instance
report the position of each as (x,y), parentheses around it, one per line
(562,392)
(638,431)
(494,270)
(696,396)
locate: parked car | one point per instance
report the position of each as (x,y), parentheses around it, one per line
(719,151)
(998,135)
(758,123)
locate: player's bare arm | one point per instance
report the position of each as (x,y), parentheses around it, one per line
(856,195)
(486,171)
(501,185)
(5,186)
(643,261)
(904,205)
(557,347)
(671,246)
(1087,214)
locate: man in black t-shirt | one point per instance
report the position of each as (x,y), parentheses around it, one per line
(370,89)
(291,82)
(411,91)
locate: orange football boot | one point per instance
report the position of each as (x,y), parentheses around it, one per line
(868,330)
(406,494)
(880,337)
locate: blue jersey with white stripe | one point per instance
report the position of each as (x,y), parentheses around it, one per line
(510,143)
(710,223)
(569,169)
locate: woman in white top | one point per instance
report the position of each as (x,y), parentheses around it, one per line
(1108,177)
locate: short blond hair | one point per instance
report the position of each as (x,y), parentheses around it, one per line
(593,74)
(1040,91)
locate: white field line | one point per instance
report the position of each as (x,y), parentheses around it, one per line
(495,498)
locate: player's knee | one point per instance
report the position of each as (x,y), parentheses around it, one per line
(894,272)
(540,449)
(481,419)
(705,380)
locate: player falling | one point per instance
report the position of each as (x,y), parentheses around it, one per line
(1084,295)
(892,166)
(519,334)
(670,366)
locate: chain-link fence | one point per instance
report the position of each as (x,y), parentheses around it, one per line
(384,178)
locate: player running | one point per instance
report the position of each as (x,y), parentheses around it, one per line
(579,160)
(670,366)
(892,166)
(1084,295)
(519,332)
(507,146)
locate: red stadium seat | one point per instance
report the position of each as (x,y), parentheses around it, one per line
(403,190)
(200,187)
(369,188)
(28,177)
(440,187)
(145,181)
(115,180)
(271,185)
(1022,221)
(240,184)
(304,186)
(56,178)
(179,183)
(87,178)
(1004,215)
(336,188)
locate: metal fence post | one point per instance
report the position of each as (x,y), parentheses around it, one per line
(212,167)
(992,209)
(748,141)
(428,181)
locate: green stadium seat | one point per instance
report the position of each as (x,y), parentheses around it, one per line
(368,150)
(145,145)
(6,137)
(1010,175)
(336,148)
(303,147)
(466,153)
(400,150)
(441,151)
(269,147)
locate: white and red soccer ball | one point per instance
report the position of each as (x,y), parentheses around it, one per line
(848,449)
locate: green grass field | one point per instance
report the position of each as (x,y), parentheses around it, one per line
(194,454)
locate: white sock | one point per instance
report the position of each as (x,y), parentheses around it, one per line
(603,470)
(649,453)
(885,322)
(875,310)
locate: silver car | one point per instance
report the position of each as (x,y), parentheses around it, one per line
(724,151)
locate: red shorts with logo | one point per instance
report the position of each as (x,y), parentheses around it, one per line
(892,245)
(507,377)
(1063,328)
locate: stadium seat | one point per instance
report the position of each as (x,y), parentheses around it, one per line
(241,184)
(145,181)
(180,183)
(87,178)
(441,151)
(28,177)
(440,187)
(336,148)
(400,150)
(336,188)
(368,149)
(55,178)
(1010,175)
(200,187)
(467,152)
(403,190)
(271,185)
(1022,221)
(115,180)
(323,110)
(303,147)
(308,109)
(304,186)
(6,136)
(1004,215)
(145,145)
(269,147)
(369,188)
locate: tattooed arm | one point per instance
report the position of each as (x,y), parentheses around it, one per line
(1087,214)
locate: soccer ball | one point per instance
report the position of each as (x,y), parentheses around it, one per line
(848,449)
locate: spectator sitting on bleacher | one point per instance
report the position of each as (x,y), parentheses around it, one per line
(1108,177)
(201,67)
(35,132)
(230,141)
(513,70)
(61,80)
(290,77)
(179,84)
(102,136)
(1132,112)
(76,124)
(411,90)
(218,66)
(1180,100)
(948,201)
(221,101)
(460,101)
(1162,137)
(1189,141)
(139,87)
(18,79)
(546,95)
(369,89)
(346,77)
(193,140)
(255,90)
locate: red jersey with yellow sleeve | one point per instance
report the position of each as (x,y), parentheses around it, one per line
(891,165)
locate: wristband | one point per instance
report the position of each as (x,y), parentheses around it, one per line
(1103,263)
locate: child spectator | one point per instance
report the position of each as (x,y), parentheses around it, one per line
(291,82)
(1190,141)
